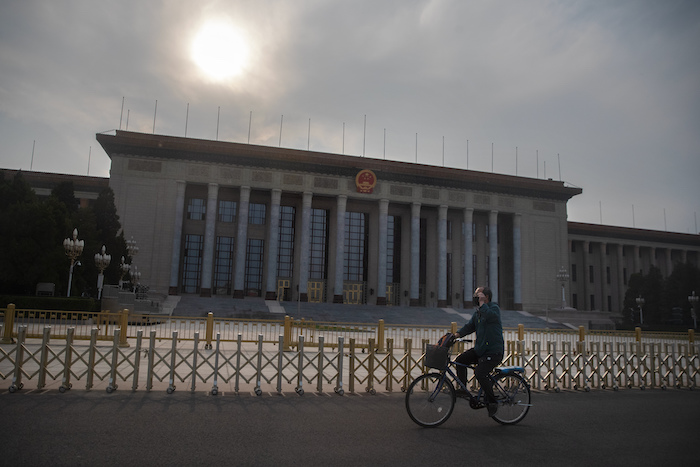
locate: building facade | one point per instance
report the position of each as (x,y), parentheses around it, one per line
(230,219)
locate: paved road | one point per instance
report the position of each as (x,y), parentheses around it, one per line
(604,428)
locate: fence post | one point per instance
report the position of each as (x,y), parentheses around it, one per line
(380,337)
(638,334)
(9,324)
(521,332)
(351,374)
(124,328)
(91,358)
(453,327)
(43,359)
(691,336)
(210,330)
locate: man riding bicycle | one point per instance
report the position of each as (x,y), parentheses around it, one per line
(487,353)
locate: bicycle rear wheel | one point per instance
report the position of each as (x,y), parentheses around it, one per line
(513,395)
(430,400)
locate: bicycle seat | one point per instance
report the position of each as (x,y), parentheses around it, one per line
(508,370)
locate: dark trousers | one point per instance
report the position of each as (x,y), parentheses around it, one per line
(484,365)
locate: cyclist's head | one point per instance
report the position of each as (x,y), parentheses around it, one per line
(486,291)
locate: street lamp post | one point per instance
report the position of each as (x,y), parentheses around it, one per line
(124,268)
(131,247)
(102,260)
(640,304)
(74,248)
(563,277)
(693,299)
(135,276)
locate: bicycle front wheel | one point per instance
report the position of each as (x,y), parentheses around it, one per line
(513,395)
(430,400)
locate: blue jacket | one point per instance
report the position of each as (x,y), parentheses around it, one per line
(486,322)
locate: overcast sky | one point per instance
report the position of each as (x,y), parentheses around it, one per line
(603,95)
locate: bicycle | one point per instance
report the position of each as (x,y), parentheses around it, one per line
(431,397)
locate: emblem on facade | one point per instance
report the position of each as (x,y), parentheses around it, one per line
(365,181)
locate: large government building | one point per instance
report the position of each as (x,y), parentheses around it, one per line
(230,219)
(240,220)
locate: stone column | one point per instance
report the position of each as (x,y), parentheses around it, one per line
(442,257)
(493,254)
(177,236)
(517,263)
(603,277)
(414,293)
(339,248)
(381,265)
(273,242)
(620,276)
(241,243)
(209,239)
(305,247)
(468,253)
(586,276)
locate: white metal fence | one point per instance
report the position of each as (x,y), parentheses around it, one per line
(358,363)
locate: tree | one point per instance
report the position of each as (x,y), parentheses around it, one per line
(32,233)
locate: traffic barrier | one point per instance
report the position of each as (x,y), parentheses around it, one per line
(257,366)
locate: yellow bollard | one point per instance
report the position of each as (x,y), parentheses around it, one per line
(287,332)
(380,337)
(638,334)
(9,324)
(581,334)
(691,336)
(453,327)
(124,327)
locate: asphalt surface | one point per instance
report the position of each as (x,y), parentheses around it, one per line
(605,428)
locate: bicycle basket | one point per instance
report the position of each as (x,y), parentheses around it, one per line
(436,356)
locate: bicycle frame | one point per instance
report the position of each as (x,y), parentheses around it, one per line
(475,401)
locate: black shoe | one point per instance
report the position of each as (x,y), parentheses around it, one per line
(492,408)
(462,393)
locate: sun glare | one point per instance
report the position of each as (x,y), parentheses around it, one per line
(220,50)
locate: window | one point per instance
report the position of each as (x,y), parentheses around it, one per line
(574,300)
(254,267)
(473,231)
(607,274)
(590,274)
(487,234)
(196,209)
(449,229)
(573,273)
(624,275)
(573,247)
(192,263)
(223,265)
(256,213)
(355,251)
(592,302)
(285,258)
(391,222)
(318,264)
(227,211)
(488,275)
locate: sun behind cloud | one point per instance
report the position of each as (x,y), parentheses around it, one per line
(220,50)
